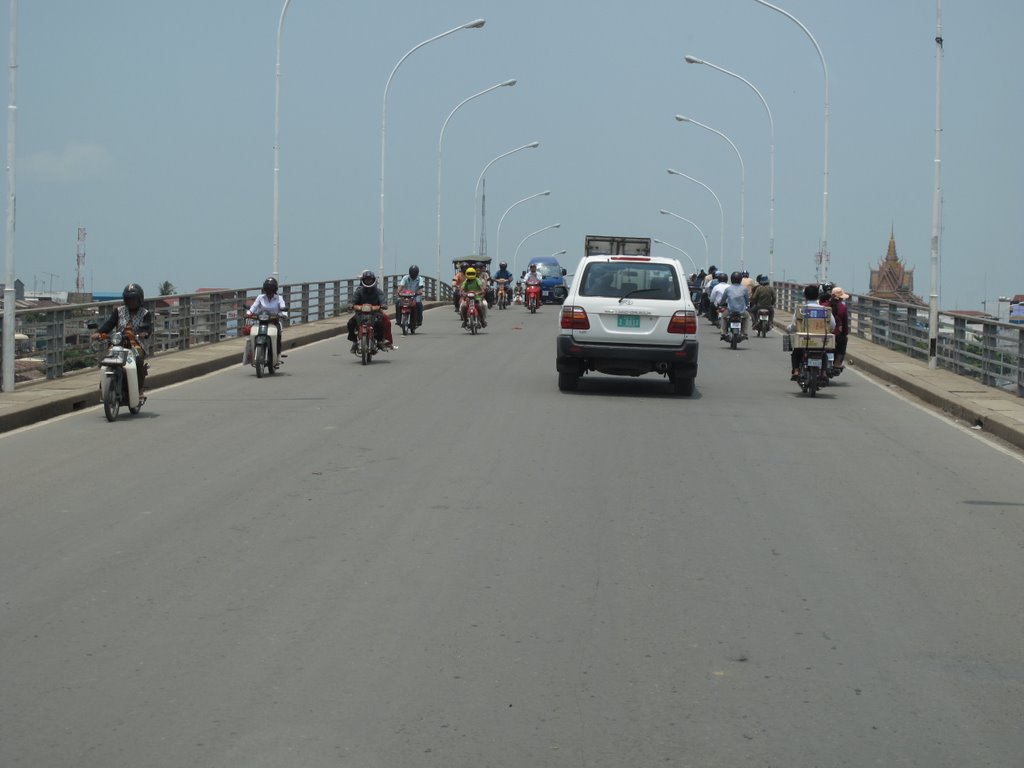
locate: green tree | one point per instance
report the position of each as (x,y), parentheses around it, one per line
(167,288)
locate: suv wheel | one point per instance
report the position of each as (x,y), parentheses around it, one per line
(568,382)
(681,386)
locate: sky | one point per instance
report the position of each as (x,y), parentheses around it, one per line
(151,125)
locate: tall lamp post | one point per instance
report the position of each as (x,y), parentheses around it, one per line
(515,257)
(383,121)
(707,258)
(933,297)
(823,256)
(743,176)
(476,191)
(440,139)
(9,294)
(497,236)
(277,145)
(676,248)
(771,129)
(721,211)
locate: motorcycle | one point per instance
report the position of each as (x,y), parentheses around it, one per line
(472,321)
(502,298)
(735,332)
(261,347)
(532,295)
(762,325)
(812,374)
(407,311)
(367,343)
(517,293)
(119,379)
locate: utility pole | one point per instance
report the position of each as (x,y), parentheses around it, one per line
(80,262)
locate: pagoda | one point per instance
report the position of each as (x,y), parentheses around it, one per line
(893,280)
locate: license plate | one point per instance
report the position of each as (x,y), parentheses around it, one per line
(734,326)
(629,321)
(814,362)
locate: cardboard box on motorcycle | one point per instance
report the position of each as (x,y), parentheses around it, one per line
(812,329)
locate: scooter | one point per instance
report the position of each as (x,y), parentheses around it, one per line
(472,312)
(261,346)
(119,379)
(735,333)
(517,293)
(502,299)
(813,372)
(367,343)
(532,295)
(407,311)
(762,325)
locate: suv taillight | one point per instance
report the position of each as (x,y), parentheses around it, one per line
(575,319)
(683,321)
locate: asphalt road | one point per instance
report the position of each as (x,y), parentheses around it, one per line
(440,560)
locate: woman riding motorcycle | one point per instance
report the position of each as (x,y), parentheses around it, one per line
(134,317)
(270,302)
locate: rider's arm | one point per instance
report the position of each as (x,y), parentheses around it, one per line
(109,324)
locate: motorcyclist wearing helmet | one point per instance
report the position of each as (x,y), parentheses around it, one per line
(134,318)
(763,297)
(717,289)
(747,282)
(412,282)
(503,273)
(269,301)
(369,292)
(735,299)
(474,283)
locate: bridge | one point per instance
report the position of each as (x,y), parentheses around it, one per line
(439,560)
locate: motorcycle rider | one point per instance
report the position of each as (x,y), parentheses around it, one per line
(503,273)
(715,294)
(735,299)
(269,301)
(412,282)
(368,292)
(763,297)
(473,283)
(134,317)
(811,294)
(460,276)
(747,282)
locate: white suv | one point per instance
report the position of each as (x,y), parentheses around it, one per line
(626,316)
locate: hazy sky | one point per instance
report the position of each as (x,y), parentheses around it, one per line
(152,125)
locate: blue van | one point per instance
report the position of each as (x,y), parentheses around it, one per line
(552,282)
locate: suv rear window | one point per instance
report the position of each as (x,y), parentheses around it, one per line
(618,279)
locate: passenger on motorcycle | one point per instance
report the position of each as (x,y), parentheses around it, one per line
(368,292)
(134,317)
(270,301)
(457,281)
(763,297)
(717,289)
(412,282)
(474,283)
(811,294)
(842,315)
(735,299)
(747,282)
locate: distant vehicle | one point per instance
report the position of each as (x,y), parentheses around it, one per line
(552,282)
(627,313)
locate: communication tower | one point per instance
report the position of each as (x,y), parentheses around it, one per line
(80,262)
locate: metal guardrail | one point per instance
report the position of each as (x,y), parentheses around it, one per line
(58,336)
(984,349)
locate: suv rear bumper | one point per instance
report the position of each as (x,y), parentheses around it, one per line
(574,355)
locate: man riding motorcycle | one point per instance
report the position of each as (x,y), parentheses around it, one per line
(763,297)
(134,317)
(734,298)
(412,282)
(473,283)
(369,292)
(503,273)
(270,302)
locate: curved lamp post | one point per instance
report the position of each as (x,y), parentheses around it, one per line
(497,236)
(771,129)
(676,248)
(383,120)
(743,176)
(707,258)
(440,139)
(559,253)
(277,145)
(515,257)
(476,191)
(721,211)
(823,256)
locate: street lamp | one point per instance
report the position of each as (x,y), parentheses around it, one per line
(677,248)
(721,211)
(559,253)
(440,139)
(383,120)
(476,191)
(933,297)
(277,144)
(497,236)
(515,257)
(743,175)
(707,259)
(823,256)
(771,128)
(9,295)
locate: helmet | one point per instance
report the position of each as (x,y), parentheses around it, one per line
(270,286)
(462,266)
(132,294)
(414,271)
(533,267)
(735,277)
(502,265)
(811,292)
(744,273)
(825,290)
(471,272)
(762,279)
(368,279)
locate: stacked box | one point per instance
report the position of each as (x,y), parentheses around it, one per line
(812,329)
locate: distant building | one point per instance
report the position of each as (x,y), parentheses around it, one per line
(893,280)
